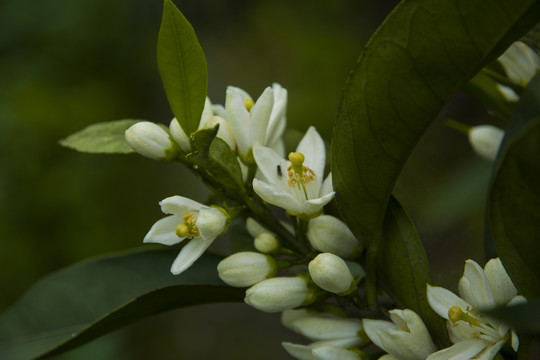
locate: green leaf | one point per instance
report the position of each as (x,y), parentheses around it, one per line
(521,317)
(403,269)
(484,89)
(182,67)
(101,138)
(73,306)
(423,52)
(514,196)
(216,157)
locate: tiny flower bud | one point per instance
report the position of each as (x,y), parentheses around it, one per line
(485,140)
(150,140)
(246,268)
(329,234)
(267,243)
(331,273)
(278,294)
(179,136)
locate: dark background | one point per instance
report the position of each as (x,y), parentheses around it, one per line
(65,64)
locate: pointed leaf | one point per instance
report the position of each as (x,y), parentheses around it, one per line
(421,54)
(182,67)
(101,138)
(73,306)
(403,269)
(514,196)
(521,317)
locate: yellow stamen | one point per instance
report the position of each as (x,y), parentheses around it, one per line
(188,229)
(455,314)
(248,103)
(299,175)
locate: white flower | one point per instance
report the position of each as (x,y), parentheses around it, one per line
(295,185)
(520,63)
(474,335)
(328,332)
(328,352)
(249,121)
(188,220)
(330,273)
(208,120)
(279,294)
(246,268)
(150,140)
(327,233)
(404,338)
(486,140)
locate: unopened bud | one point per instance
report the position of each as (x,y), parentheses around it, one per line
(279,294)
(331,273)
(246,268)
(179,136)
(486,140)
(150,140)
(327,233)
(267,243)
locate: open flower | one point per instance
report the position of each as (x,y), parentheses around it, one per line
(328,333)
(295,185)
(474,335)
(188,219)
(404,338)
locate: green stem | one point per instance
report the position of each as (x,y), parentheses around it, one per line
(503,80)
(453,124)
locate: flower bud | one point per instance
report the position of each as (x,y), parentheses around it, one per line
(279,294)
(267,243)
(327,233)
(485,140)
(246,268)
(520,63)
(225,132)
(328,352)
(179,135)
(150,140)
(330,273)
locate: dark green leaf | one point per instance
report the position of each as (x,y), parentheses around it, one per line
(403,269)
(521,317)
(78,304)
(514,196)
(418,58)
(484,89)
(182,67)
(101,138)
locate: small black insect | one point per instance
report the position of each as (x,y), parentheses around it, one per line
(280,174)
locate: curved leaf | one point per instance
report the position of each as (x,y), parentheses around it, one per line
(80,303)
(101,138)
(514,196)
(521,317)
(403,269)
(182,67)
(421,54)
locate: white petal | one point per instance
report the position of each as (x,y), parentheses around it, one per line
(179,205)
(312,146)
(501,286)
(324,326)
(210,222)
(279,147)
(463,350)
(288,317)
(441,300)
(514,341)
(238,118)
(284,200)
(300,352)
(164,231)
(490,352)
(189,254)
(278,120)
(272,167)
(260,116)
(474,286)
(219,110)
(334,353)
(207,113)
(179,136)
(327,186)
(225,132)
(375,328)
(312,206)
(346,343)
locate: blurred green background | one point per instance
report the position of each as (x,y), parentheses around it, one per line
(66,64)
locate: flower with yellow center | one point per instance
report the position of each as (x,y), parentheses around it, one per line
(295,185)
(191,220)
(474,335)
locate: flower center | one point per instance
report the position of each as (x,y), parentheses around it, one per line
(188,229)
(483,330)
(299,175)
(248,103)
